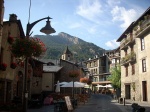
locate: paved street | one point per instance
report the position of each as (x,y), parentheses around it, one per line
(97,103)
(100,103)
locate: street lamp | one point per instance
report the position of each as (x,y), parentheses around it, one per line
(47,30)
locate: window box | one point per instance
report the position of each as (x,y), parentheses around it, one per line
(3,66)
(13,65)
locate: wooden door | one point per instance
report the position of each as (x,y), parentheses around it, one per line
(144,90)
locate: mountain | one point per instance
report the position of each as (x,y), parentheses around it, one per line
(57,44)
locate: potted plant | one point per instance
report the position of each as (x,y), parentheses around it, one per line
(84,80)
(13,65)
(73,74)
(27,47)
(10,39)
(3,66)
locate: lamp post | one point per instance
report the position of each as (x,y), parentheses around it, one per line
(47,30)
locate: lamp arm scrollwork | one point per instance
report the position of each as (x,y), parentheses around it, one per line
(30,26)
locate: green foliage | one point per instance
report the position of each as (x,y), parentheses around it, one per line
(115,77)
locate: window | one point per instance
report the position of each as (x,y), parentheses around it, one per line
(132,48)
(142,44)
(133,69)
(1,55)
(95,63)
(113,61)
(96,71)
(90,64)
(126,71)
(144,65)
(125,52)
(68,57)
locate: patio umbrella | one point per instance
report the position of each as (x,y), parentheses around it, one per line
(100,86)
(86,86)
(109,85)
(76,84)
(57,90)
(62,83)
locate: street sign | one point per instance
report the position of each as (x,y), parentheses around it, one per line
(68,103)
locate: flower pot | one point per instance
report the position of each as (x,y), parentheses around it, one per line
(13,65)
(10,40)
(3,68)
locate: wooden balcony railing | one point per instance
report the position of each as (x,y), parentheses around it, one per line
(129,40)
(142,25)
(130,58)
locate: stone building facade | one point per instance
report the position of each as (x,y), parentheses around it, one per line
(67,55)
(135,59)
(114,57)
(11,77)
(99,69)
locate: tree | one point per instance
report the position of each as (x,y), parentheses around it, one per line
(115,77)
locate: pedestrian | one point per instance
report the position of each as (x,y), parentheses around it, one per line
(115,95)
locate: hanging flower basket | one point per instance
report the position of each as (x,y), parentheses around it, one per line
(27,47)
(3,66)
(73,74)
(10,39)
(13,65)
(84,80)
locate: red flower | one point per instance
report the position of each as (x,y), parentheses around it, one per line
(10,39)
(27,47)
(4,65)
(13,65)
(74,73)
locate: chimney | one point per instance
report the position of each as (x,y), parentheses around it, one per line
(12,17)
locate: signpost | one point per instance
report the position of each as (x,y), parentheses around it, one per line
(68,103)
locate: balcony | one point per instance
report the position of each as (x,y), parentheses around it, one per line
(142,26)
(130,58)
(129,40)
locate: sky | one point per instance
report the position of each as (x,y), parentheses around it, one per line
(96,21)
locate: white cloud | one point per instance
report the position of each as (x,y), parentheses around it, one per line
(92,30)
(89,10)
(5,19)
(113,3)
(112,44)
(75,25)
(123,15)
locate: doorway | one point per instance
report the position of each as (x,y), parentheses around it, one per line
(144,90)
(127,91)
